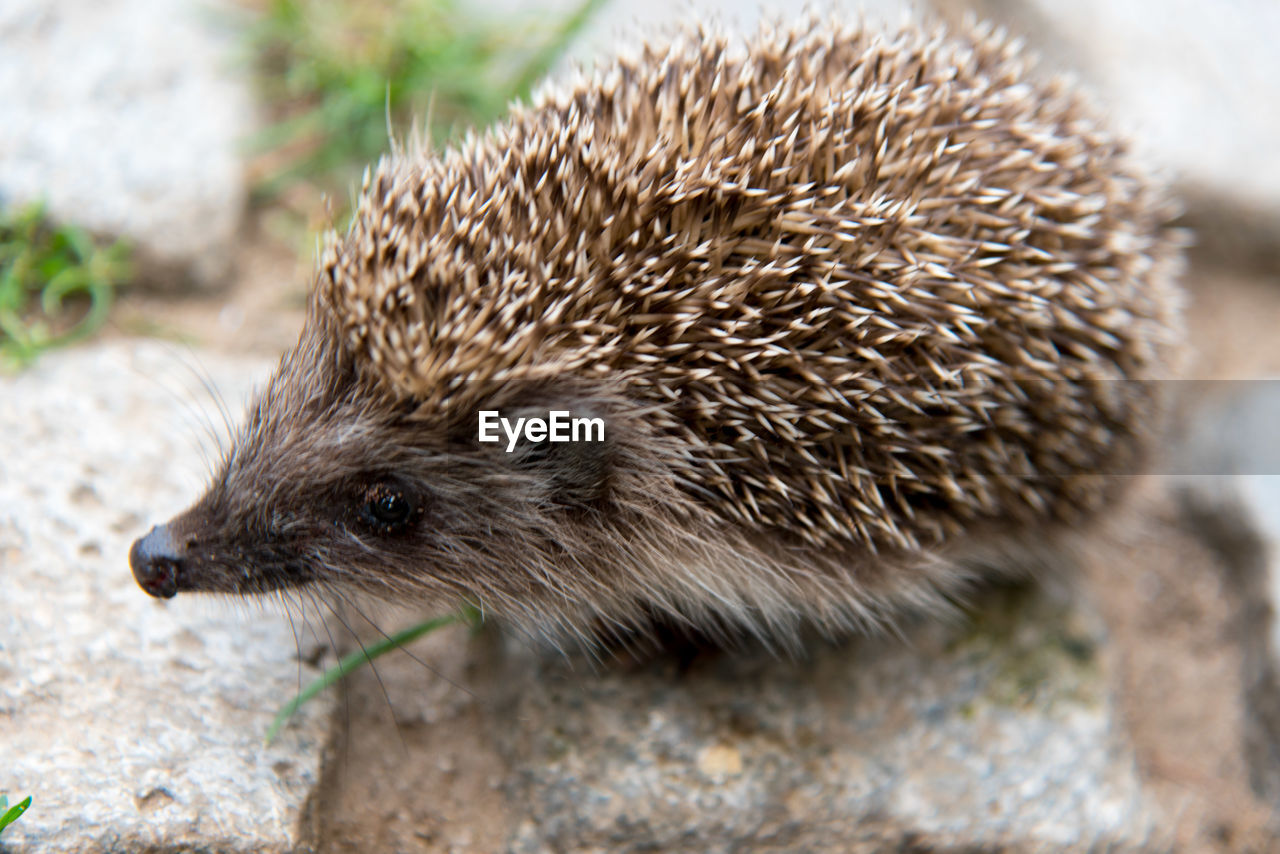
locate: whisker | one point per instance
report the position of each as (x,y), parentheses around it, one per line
(429,668)
(297,642)
(368,660)
(187,358)
(333,645)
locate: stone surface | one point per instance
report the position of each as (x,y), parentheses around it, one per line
(133,724)
(1194,83)
(995,735)
(124,116)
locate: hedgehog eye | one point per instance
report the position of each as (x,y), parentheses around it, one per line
(386,508)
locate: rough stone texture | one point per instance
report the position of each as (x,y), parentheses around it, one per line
(997,735)
(125,117)
(1194,83)
(131,723)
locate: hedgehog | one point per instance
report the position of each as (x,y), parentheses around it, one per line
(861,317)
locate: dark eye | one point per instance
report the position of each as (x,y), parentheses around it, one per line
(386,508)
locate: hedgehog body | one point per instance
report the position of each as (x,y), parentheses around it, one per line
(858,312)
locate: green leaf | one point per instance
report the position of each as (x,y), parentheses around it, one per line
(12,814)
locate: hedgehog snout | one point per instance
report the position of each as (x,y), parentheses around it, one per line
(157,562)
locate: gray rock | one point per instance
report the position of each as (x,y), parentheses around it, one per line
(1194,83)
(132,723)
(125,117)
(996,735)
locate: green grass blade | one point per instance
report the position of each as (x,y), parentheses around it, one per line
(357,659)
(12,814)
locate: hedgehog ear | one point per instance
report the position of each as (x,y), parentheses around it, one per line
(576,462)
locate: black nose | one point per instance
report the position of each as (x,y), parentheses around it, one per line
(156,561)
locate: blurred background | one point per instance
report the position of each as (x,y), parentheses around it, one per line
(165,171)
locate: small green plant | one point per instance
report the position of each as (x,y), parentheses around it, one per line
(56,284)
(338,75)
(10,814)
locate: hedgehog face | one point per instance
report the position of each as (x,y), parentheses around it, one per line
(330,485)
